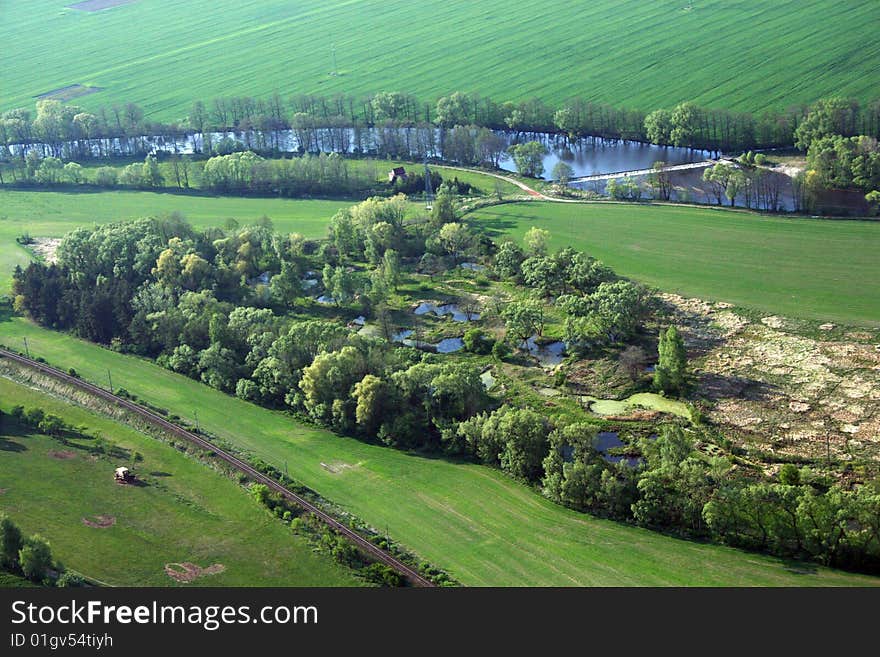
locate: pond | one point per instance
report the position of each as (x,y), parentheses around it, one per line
(585,156)
(445,346)
(449,345)
(446,309)
(589,156)
(549,354)
(607,440)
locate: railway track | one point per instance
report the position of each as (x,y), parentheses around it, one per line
(363,544)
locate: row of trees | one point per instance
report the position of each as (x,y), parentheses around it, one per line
(684,125)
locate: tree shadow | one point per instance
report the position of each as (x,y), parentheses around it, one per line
(715,387)
(799,567)
(159,473)
(11,446)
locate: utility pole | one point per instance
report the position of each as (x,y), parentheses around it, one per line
(196,414)
(110,379)
(26,350)
(333,50)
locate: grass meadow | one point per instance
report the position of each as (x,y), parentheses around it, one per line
(814,269)
(163,54)
(186,513)
(486,529)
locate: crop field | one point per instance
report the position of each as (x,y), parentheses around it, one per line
(474,521)
(163,54)
(125,535)
(805,268)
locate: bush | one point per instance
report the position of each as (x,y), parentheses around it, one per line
(500,351)
(476,341)
(70,580)
(383,575)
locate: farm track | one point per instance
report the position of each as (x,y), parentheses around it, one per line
(154,418)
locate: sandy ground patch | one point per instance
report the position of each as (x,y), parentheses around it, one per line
(99,522)
(337,467)
(188,572)
(46,248)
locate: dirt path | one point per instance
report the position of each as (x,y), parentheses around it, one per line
(513,181)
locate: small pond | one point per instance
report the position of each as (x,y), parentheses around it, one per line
(551,353)
(607,440)
(449,345)
(472,266)
(325,299)
(446,309)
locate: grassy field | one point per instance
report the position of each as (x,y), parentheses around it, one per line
(807,268)
(52,214)
(163,54)
(480,525)
(187,512)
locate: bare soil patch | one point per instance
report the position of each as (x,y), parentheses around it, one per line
(3,491)
(187,571)
(99,522)
(46,248)
(69,92)
(785,394)
(61,455)
(98,5)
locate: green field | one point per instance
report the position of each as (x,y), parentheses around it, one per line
(163,54)
(53,214)
(807,268)
(472,520)
(186,513)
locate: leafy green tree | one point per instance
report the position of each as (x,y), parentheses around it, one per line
(517,440)
(544,274)
(529,158)
(670,375)
(508,260)
(562,173)
(613,312)
(391,268)
(524,319)
(10,541)
(658,127)
(35,558)
(685,120)
(477,341)
(372,395)
(455,238)
(828,116)
(536,241)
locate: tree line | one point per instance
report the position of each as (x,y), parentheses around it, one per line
(262,119)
